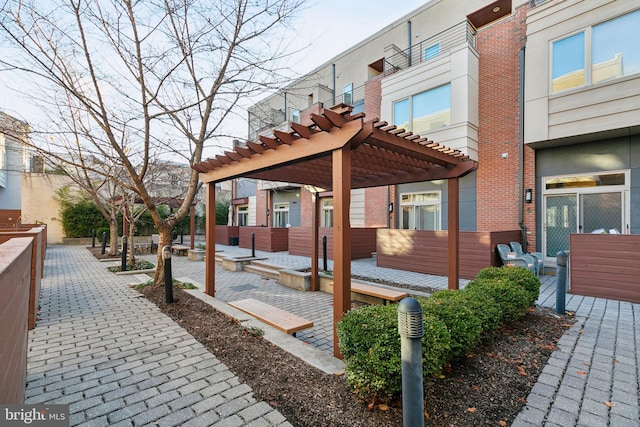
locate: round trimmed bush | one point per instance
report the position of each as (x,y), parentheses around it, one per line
(483,306)
(511,299)
(370,345)
(519,276)
(463,325)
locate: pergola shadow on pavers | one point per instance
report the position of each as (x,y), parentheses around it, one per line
(339,151)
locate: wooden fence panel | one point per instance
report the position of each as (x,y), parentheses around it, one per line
(15,279)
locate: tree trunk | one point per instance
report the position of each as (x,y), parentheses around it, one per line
(165,239)
(113,238)
(131,255)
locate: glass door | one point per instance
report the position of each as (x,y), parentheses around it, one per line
(601,212)
(561,220)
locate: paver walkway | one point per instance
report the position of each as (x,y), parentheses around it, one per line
(117,360)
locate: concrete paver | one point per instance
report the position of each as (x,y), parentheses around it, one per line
(116,359)
(97,336)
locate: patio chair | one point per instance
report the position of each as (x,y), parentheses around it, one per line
(510,258)
(517,248)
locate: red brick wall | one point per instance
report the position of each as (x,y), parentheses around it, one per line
(373,98)
(376,210)
(306,208)
(498,190)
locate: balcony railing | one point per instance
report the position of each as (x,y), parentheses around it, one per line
(432,48)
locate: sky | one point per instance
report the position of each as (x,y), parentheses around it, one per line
(329,27)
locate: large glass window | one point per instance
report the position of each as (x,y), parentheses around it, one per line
(599,53)
(347,94)
(420,211)
(424,111)
(281,215)
(568,62)
(432,51)
(401,114)
(614,48)
(327,213)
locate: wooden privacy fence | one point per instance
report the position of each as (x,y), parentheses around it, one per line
(605,265)
(425,251)
(37,234)
(363,241)
(268,239)
(15,278)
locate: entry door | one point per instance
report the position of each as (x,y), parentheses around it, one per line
(580,213)
(561,220)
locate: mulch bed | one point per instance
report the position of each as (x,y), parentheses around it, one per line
(489,387)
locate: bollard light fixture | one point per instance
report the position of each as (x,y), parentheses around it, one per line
(166,252)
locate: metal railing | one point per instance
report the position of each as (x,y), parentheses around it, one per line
(432,48)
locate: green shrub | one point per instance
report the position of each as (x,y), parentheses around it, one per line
(483,306)
(511,299)
(520,276)
(370,345)
(463,325)
(78,220)
(101,230)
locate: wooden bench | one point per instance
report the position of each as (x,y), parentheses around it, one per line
(279,319)
(376,291)
(180,250)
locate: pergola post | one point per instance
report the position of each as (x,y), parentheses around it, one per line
(315,232)
(454,232)
(341,170)
(210,237)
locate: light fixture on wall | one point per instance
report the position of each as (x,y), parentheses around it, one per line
(528,195)
(391,207)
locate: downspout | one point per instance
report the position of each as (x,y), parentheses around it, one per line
(333,83)
(409,42)
(285,107)
(523,227)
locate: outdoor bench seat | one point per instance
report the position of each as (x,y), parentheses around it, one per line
(274,316)
(376,291)
(180,250)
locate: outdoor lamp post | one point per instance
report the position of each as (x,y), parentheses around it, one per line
(168,280)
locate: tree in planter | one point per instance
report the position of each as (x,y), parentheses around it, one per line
(143,81)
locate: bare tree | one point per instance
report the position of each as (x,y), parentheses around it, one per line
(145,79)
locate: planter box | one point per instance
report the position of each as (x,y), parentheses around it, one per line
(605,265)
(425,251)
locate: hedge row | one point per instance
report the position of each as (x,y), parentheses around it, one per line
(454,322)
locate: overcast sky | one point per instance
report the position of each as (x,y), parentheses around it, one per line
(328,26)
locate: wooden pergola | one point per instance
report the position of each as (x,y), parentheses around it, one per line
(339,151)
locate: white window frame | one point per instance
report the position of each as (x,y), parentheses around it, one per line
(409,126)
(437,202)
(280,209)
(588,56)
(242,211)
(327,212)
